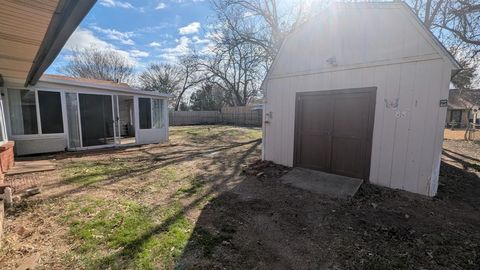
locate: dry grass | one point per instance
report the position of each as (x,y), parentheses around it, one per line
(449,134)
(126,208)
(458,135)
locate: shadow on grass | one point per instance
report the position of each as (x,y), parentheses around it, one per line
(285,232)
(127,254)
(141,166)
(461,157)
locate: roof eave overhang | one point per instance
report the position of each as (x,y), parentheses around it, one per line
(132,91)
(65,20)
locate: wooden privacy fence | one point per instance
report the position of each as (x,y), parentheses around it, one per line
(236,118)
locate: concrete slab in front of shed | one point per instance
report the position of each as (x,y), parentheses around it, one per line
(322,183)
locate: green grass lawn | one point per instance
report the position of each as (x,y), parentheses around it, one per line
(144,217)
(126,234)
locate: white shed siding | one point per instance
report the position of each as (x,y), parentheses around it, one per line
(375,45)
(405,150)
(354,36)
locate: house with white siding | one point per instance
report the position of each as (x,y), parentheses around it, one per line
(63,113)
(49,113)
(360,90)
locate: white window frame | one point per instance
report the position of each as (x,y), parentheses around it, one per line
(151,113)
(161,112)
(3,126)
(80,119)
(37,108)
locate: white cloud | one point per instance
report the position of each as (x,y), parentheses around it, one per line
(161,5)
(123,37)
(192,28)
(199,40)
(187,1)
(182,48)
(138,53)
(113,3)
(85,39)
(154,44)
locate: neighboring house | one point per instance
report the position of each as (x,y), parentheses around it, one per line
(365,96)
(63,113)
(460,105)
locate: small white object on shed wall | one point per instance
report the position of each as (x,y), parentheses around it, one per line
(375,45)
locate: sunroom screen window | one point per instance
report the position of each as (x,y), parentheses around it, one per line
(145,113)
(23,111)
(157,111)
(50,112)
(72,117)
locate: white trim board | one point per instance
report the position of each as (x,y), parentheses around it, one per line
(128,90)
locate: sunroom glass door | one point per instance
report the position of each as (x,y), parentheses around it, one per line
(96,116)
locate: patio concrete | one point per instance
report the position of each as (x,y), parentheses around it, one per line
(322,183)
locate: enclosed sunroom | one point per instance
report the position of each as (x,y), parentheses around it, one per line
(62,113)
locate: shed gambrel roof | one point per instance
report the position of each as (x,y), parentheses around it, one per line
(358,34)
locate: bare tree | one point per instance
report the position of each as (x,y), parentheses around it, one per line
(173,79)
(264,23)
(191,75)
(98,64)
(467,77)
(247,37)
(238,71)
(209,97)
(453,21)
(457,24)
(235,65)
(163,78)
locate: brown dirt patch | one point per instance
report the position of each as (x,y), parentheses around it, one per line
(459,135)
(262,224)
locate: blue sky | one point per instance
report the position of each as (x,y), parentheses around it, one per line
(144,31)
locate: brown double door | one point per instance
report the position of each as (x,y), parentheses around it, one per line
(333,131)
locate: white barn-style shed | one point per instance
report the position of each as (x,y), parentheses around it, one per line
(63,113)
(361,91)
